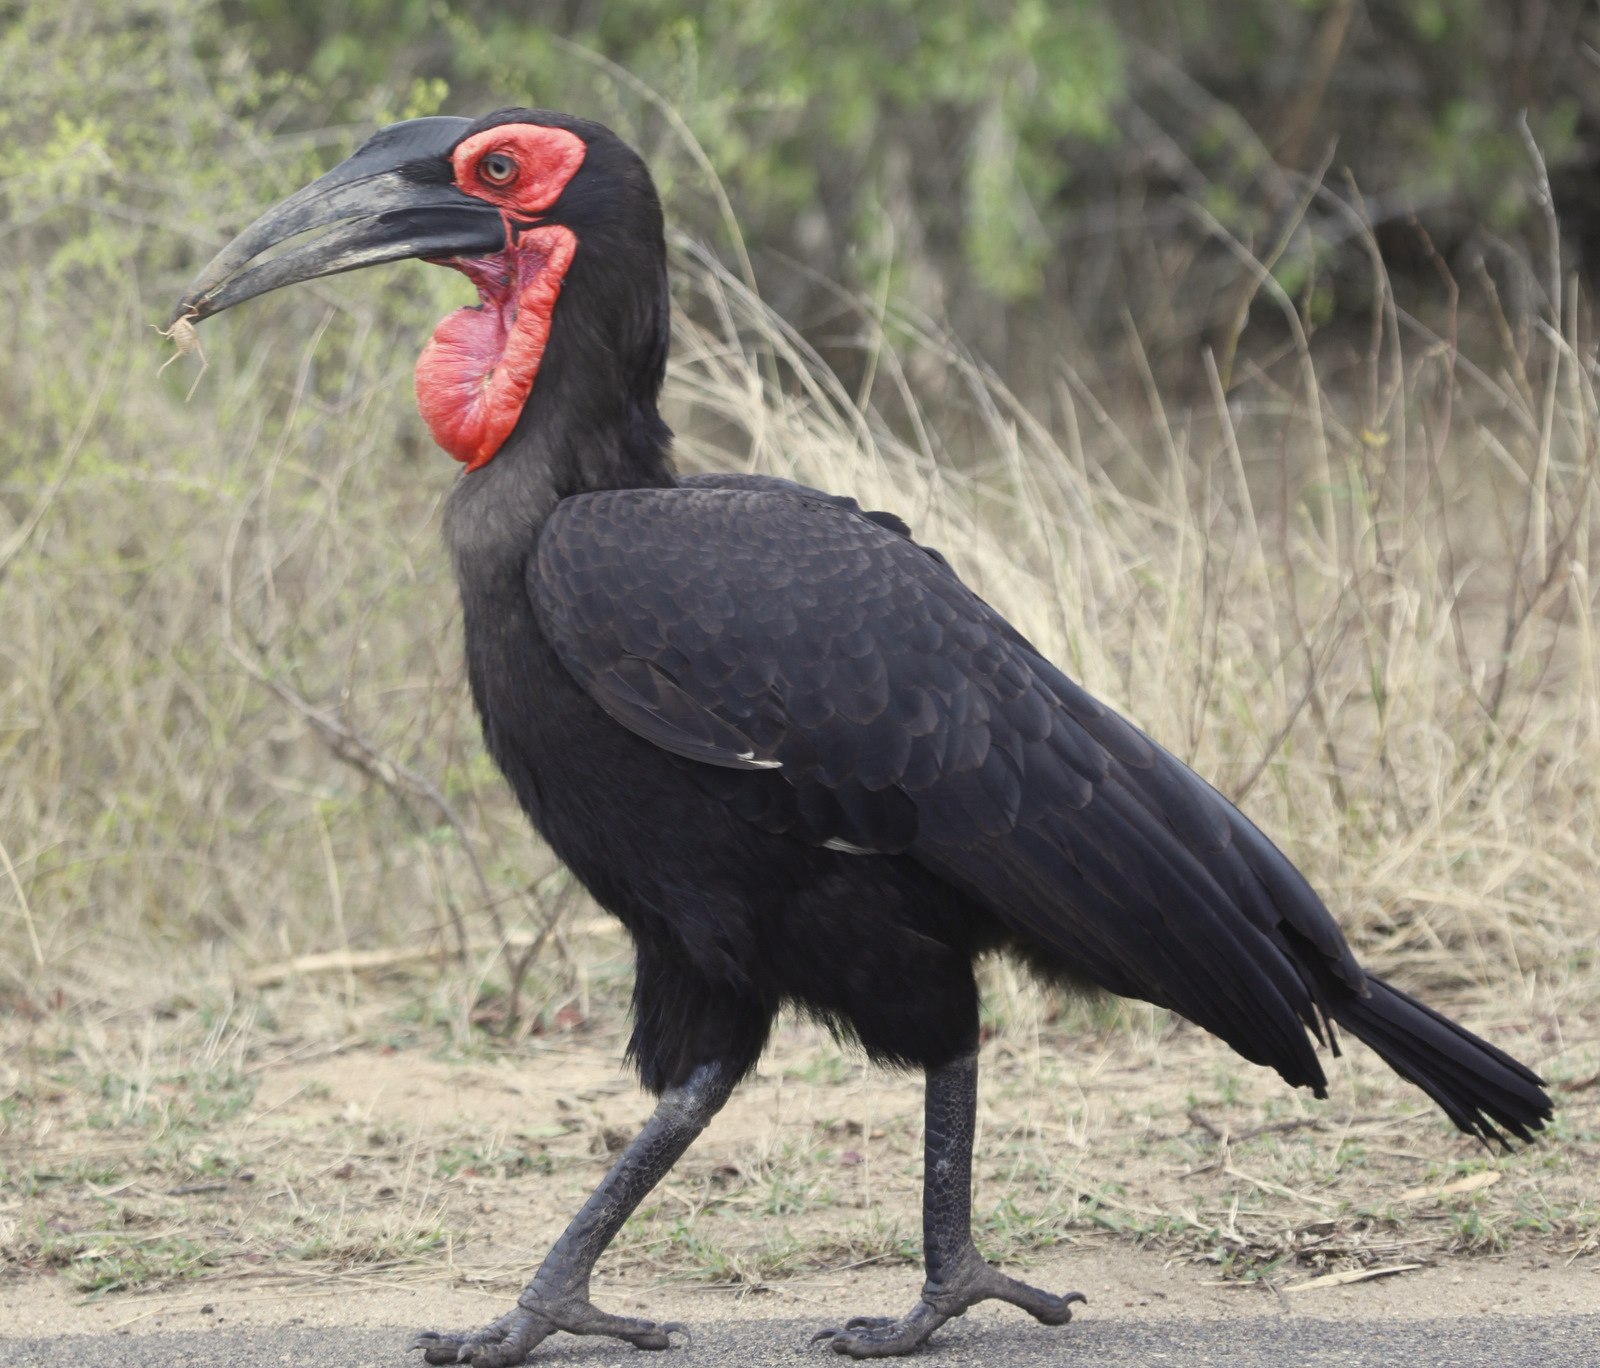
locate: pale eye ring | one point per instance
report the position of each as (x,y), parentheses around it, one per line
(498,169)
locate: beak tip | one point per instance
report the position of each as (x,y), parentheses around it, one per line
(191,309)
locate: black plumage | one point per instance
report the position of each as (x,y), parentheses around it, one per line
(804,764)
(834,684)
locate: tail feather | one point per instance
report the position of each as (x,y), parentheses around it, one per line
(1482,1089)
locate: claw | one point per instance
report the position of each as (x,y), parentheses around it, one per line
(854,1323)
(659,1338)
(442,1349)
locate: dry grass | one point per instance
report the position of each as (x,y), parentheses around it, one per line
(247,1155)
(234,732)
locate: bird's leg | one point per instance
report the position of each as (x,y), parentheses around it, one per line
(958,1276)
(558,1296)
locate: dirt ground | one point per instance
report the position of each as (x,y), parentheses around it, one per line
(1121,1282)
(154,1177)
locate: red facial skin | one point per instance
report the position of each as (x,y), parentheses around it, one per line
(477,371)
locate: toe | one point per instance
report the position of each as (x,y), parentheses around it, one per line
(859,1344)
(661,1335)
(1048,1308)
(656,1337)
(582,1318)
(437,1348)
(506,1342)
(1057,1310)
(882,1336)
(505,1354)
(1043,1306)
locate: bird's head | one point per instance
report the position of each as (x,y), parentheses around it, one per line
(531,206)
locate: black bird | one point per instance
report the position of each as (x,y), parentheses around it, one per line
(781,741)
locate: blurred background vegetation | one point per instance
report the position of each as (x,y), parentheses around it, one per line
(1333,250)
(1038,175)
(1034,172)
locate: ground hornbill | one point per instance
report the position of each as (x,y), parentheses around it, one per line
(780,740)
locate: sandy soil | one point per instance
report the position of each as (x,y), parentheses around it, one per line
(1120,1282)
(359,1183)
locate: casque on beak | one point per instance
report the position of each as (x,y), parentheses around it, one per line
(392,200)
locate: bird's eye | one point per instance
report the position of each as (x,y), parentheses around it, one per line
(498,169)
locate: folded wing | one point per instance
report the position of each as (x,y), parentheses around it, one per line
(835,682)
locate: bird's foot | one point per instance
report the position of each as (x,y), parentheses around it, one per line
(520,1331)
(975,1280)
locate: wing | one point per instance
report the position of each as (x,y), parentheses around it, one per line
(834,681)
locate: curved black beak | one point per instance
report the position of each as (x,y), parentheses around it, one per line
(391,200)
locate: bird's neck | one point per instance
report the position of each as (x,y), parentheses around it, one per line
(565,444)
(590,421)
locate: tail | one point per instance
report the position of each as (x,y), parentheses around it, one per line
(1482,1089)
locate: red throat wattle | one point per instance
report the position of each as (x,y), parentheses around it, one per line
(477,371)
(478,368)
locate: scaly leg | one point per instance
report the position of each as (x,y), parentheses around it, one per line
(558,1296)
(958,1276)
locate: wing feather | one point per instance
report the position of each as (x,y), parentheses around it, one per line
(747,624)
